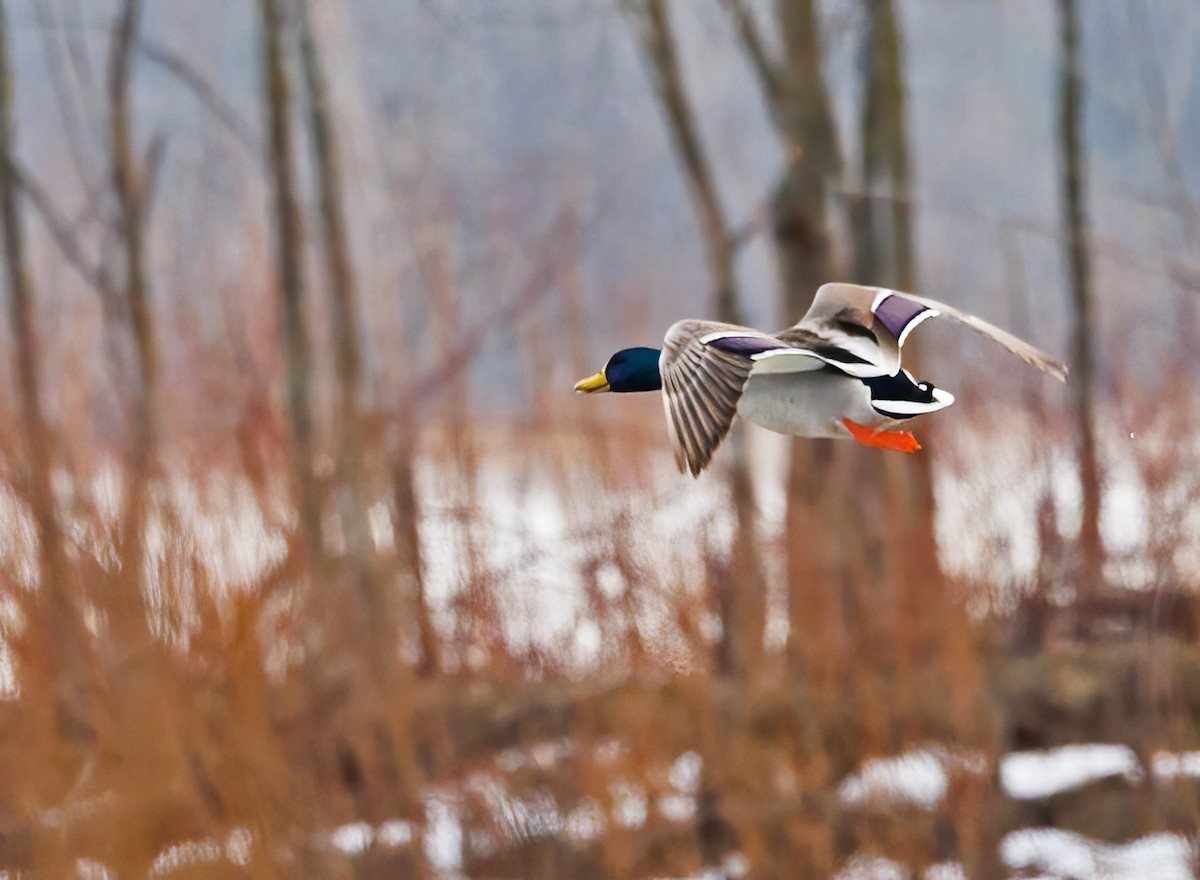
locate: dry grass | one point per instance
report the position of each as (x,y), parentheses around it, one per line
(572,720)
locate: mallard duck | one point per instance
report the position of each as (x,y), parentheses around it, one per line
(835,374)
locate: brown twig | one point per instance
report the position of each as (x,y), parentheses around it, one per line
(66,238)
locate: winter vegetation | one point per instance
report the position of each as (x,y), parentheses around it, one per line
(311,565)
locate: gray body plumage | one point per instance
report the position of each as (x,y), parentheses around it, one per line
(810,404)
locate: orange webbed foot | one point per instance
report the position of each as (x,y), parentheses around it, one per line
(900,441)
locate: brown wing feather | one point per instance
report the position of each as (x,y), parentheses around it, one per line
(838,308)
(701,388)
(1022,349)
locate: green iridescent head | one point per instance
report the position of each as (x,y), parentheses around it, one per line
(631,369)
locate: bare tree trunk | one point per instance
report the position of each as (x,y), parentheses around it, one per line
(343,301)
(883,244)
(1090,550)
(658,44)
(811,139)
(741,646)
(289,257)
(740,585)
(476,603)
(61,636)
(406,533)
(130,202)
(884,256)
(297,346)
(821,531)
(900,488)
(879,215)
(859,529)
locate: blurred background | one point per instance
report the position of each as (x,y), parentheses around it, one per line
(311,564)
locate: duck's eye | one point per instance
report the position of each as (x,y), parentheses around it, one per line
(925,386)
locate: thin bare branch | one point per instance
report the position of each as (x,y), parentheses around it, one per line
(67,239)
(1166,142)
(471,341)
(769,78)
(658,43)
(205,92)
(71,105)
(152,163)
(17,277)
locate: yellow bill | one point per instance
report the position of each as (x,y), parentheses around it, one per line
(592,384)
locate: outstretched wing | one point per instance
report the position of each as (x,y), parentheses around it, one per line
(1022,349)
(704,367)
(871,324)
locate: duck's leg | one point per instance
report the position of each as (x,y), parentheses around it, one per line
(901,441)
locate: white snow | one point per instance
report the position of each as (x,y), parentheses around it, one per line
(919,777)
(1050,854)
(1068,855)
(1167,765)
(1039,774)
(872,868)
(353,838)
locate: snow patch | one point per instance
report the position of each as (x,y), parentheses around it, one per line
(1065,854)
(1027,775)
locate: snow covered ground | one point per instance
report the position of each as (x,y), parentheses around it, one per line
(918,777)
(525,530)
(534,534)
(921,778)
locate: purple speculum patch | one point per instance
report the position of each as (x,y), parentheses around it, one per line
(745,345)
(896,313)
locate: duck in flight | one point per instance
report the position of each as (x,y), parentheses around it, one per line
(835,374)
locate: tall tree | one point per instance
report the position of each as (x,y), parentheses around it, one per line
(822,530)
(58,628)
(343,304)
(798,104)
(883,251)
(742,602)
(131,195)
(1073,170)
(281,161)
(739,586)
(883,255)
